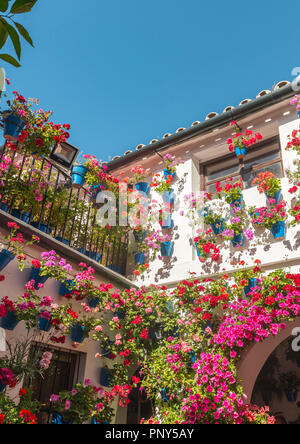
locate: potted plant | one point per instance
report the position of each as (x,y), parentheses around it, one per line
(273,218)
(232,192)
(15,246)
(79,171)
(138,179)
(7,378)
(206,247)
(170,166)
(269,184)
(240,142)
(234,230)
(8,314)
(78,405)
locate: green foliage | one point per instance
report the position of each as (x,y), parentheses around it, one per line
(9,28)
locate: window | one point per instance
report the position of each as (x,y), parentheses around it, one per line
(266,157)
(63,373)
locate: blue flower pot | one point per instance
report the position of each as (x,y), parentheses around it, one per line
(2,387)
(240,152)
(95,256)
(278,230)
(64,288)
(77,334)
(5,258)
(106,377)
(165,395)
(238,203)
(193,357)
(169,197)
(238,240)
(25,217)
(13,126)
(35,275)
(276,197)
(139,258)
(4,207)
(218,227)
(142,187)
(166,249)
(291,395)
(57,419)
(42,227)
(168,173)
(78,175)
(94,302)
(16,214)
(139,235)
(251,284)
(94,421)
(44,324)
(10,321)
(63,240)
(168,222)
(115,268)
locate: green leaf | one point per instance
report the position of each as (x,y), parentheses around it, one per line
(3,5)
(14,38)
(3,34)
(21,6)
(9,59)
(24,33)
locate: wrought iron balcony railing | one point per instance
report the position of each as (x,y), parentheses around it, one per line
(39,192)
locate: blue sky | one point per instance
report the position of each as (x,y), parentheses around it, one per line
(126,72)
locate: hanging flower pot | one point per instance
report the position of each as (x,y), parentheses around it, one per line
(167,223)
(2,387)
(77,333)
(95,256)
(193,357)
(65,288)
(240,152)
(106,377)
(291,395)
(42,227)
(139,235)
(78,175)
(13,126)
(169,197)
(139,258)
(9,321)
(45,322)
(166,249)
(165,395)
(57,419)
(237,203)
(4,207)
(35,276)
(63,240)
(94,302)
(142,187)
(278,230)
(5,258)
(238,240)
(218,227)
(168,173)
(251,284)
(276,196)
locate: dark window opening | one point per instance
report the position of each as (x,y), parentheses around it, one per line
(63,374)
(266,157)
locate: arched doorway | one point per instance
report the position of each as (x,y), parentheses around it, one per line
(278,384)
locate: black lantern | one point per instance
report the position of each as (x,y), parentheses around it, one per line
(64,153)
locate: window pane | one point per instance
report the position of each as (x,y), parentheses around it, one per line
(222,169)
(276,169)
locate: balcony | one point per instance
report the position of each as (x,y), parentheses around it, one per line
(39,192)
